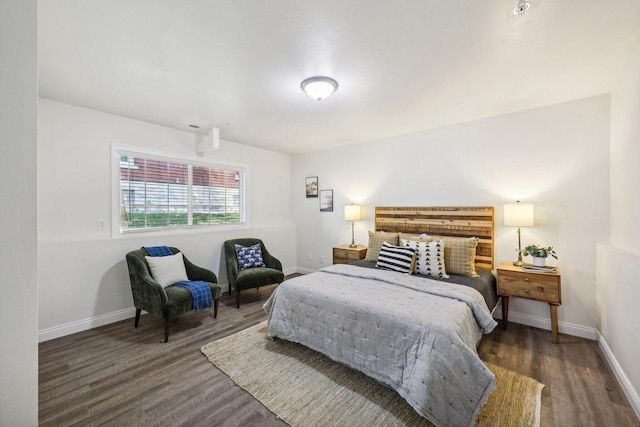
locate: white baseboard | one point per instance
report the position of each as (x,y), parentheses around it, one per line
(563,327)
(105,319)
(86,324)
(94,322)
(544,323)
(623,380)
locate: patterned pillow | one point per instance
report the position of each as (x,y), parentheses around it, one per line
(460,255)
(249,256)
(430,258)
(375,243)
(396,258)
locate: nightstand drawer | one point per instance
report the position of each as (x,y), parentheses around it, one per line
(533,286)
(344,254)
(545,287)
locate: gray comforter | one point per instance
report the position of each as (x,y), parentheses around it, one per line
(416,335)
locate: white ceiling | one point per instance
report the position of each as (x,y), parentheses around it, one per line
(402,66)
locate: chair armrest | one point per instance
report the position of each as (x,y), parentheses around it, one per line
(232,272)
(195,272)
(274,263)
(271,261)
(148,294)
(231,263)
(200,273)
(156,291)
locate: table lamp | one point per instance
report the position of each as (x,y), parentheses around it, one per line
(352,213)
(518,215)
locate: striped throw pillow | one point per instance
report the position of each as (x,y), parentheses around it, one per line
(396,258)
(429,259)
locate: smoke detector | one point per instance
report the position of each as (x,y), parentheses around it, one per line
(521,8)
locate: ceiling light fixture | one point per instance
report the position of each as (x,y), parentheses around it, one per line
(521,8)
(319,87)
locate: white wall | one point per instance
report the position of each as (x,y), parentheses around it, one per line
(18,220)
(619,262)
(556,157)
(85,281)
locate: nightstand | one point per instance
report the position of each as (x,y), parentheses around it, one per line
(513,281)
(343,254)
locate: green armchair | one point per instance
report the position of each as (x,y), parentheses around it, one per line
(169,302)
(251,277)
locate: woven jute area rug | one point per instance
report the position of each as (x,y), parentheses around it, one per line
(305,388)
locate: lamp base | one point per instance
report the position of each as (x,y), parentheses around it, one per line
(519,262)
(353,237)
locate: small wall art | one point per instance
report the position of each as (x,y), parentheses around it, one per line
(311,185)
(326,200)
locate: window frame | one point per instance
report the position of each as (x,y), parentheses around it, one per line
(119,150)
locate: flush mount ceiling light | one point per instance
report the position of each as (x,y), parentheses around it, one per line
(521,8)
(319,87)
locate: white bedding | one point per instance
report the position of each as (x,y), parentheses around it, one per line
(416,335)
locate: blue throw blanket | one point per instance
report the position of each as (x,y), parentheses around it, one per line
(200,291)
(157,250)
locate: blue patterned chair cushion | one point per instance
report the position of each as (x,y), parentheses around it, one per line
(249,256)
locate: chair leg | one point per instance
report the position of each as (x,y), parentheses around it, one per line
(166,330)
(215,307)
(138,311)
(238,298)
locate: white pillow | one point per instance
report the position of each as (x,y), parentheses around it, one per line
(167,270)
(430,259)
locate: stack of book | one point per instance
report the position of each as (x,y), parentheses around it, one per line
(535,269)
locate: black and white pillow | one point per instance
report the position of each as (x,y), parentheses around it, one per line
(396,258)
(430,258)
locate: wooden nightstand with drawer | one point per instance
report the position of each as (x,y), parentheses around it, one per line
(343,254)
(513,281)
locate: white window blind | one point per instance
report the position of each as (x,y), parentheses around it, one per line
(158,192)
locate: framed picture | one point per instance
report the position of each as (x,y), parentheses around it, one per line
(311,185)
(326,200)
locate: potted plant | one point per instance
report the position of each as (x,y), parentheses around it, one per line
(539,254)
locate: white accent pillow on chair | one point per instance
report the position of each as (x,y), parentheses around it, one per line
(167,270)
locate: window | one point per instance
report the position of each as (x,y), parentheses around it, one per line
(160,192)
(127,162)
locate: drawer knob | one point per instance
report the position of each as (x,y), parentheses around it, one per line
(526,291)
(526,279)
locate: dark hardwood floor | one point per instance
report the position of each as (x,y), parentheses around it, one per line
(121,376)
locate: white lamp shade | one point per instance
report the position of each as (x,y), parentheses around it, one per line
(352,213)
(518,214)
(319,87)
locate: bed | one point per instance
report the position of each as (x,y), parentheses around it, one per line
(414,333)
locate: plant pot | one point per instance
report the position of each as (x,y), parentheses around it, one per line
(539,261)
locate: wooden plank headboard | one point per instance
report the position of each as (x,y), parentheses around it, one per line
(474,221)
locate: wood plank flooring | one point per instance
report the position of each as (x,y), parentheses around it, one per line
(120,376)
